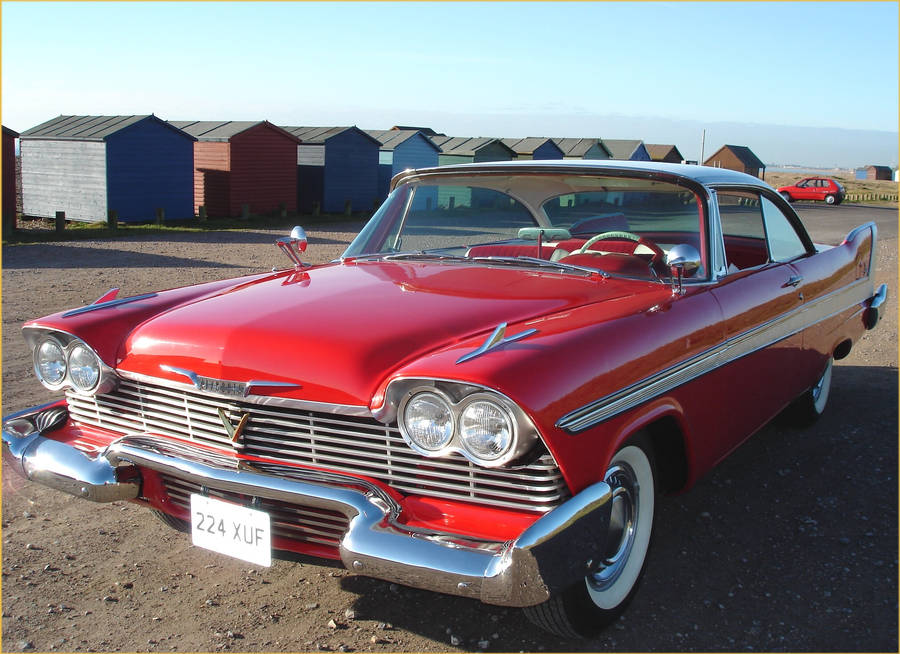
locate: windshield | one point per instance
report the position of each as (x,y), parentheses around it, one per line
(621,226)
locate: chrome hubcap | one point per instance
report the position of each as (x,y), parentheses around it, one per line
(622,521)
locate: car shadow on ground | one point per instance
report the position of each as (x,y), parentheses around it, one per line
(789,544)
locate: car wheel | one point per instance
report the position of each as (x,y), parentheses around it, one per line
(830,199)
(807,408)
(586,607)
(175,523)
(787,196)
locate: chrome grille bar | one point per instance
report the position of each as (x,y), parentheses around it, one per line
(343,443)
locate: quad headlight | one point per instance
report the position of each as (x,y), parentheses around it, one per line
(50,363)
(485,427)
(84,368)
(429,421)
(61,360)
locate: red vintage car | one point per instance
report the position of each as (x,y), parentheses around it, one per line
(483,396)
(822,189)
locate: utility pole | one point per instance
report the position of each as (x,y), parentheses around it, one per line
(702,145)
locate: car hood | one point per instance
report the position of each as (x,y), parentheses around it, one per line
(338,330)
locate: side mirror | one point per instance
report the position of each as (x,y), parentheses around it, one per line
(682,260)
(293,245)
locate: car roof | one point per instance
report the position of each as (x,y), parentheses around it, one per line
(705,175)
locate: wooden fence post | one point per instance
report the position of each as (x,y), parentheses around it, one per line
(316,208)
(348,207)
(160,216)
(201,213)
(60,222)
(245,211)
(112,219)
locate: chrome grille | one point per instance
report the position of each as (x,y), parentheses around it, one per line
(350,444)
(291,521)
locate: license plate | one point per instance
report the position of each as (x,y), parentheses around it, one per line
(231,529)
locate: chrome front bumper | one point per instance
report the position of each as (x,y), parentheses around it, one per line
(556,551)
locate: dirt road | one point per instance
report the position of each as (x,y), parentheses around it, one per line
(791,544)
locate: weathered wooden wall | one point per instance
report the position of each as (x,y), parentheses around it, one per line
(65,176)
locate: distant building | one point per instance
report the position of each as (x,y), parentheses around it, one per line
(534,148)
(89,165)
(427,131)
(9,178)
(402,149)
(737,157)
(465,149)
(239,163)
(664,153)
(878,172)
(627,150)
(337,167)
(575,148)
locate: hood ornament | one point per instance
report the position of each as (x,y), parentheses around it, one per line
(495,340)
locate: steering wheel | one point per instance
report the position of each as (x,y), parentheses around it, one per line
(658,253)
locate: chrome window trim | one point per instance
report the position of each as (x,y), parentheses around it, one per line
(734,348)
(718,265)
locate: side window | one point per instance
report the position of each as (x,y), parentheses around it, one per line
(743,230)
(784,242)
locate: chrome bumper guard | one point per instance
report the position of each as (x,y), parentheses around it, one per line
(556,551)
(873,312)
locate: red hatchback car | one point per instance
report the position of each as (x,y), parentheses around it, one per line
(814,188)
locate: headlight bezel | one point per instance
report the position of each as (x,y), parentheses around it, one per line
(106,377)
(459,396)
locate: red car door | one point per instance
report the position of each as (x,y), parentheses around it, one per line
(756,298)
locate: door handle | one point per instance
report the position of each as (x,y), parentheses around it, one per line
(793,281)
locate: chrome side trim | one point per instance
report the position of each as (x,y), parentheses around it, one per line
(734,348)
(262,400)
(107,304)
(497,339)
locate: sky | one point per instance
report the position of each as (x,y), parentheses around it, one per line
(806,83)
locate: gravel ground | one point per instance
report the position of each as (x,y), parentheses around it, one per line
(790,544)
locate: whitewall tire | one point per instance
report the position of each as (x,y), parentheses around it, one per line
(588,606)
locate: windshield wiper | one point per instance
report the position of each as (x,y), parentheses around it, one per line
(401,256)
(521,262)
(425,256)
(534,262)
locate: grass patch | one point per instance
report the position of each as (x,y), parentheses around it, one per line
(41,230)
(867,188)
